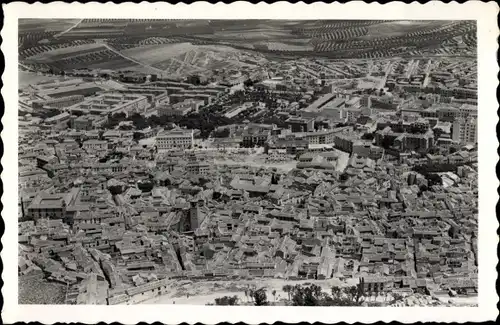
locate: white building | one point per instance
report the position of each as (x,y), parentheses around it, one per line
(175,139)
(95,146)
(465,130)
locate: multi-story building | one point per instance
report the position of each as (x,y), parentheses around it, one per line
(58,122)
(50,206)
(82,123)
(198,168)
(467,110)
(289,144)
(180,109)
(95,146)
(255,137)
(300,124)
(58,103)
(365,101)
(175,139)
(465,130)
(404,141)
(113,103)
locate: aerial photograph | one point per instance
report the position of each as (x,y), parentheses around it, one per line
(248,162)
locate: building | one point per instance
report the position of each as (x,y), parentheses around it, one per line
(365,101)
(289,144)
(255,137)
(403,141)
(175,139)
(465,130)
(300,124)
(82,123)
(58,122)
(95,146)
(50,206)
(58,103)
(113,103)
(181,108)
(197,167)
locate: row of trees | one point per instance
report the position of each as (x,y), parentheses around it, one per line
(308,295)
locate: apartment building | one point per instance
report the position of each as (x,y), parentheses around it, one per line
(175,139)
(58,122)
(465,130)
(58,103)
(95,146)
(113,103)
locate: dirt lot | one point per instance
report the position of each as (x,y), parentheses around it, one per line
(153,54)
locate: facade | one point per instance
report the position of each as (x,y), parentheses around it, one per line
(300,124)
(95,146)
(82,123)
(175,139)
(181,108)
(58,122)
(58,103)
(465,130)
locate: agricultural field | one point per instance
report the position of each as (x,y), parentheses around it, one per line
(66,52)
(187,46)
(45,25)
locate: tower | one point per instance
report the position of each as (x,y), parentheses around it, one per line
(194,215)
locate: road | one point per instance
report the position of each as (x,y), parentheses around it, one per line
(69,29)
(387,72)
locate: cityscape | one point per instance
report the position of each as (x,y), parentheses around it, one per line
(248,162)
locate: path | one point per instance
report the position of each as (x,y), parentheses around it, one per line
(132,59)
(69,29)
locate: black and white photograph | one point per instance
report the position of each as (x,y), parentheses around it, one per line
(248,162)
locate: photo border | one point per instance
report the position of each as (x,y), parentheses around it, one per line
(484,13)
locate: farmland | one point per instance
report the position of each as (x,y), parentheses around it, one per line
(48,25)
(186,46)
(182,58)
(66,52)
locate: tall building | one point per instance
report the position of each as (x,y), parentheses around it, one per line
(366,101)
(465,130)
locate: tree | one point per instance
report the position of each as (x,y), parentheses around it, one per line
(307,296)
(226,301)
(288,289)
(396,297)
(274,294)
(368,136)
(344,177)
(434,179)
(248,83)
(137,136)
(260,297)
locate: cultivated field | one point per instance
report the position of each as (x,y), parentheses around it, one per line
(399,28)
(45,25)
(187,46)
(66,52)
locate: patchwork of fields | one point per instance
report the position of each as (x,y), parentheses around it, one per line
(187,46)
